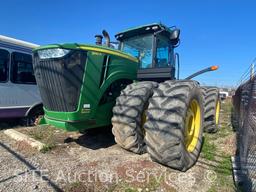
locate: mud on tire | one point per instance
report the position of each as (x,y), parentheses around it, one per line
(127,115)
(166,124)
(211,100)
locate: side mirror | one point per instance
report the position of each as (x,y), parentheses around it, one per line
(175,36)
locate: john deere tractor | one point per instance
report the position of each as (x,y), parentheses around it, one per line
(134,87)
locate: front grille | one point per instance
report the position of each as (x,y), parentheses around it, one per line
(59,80)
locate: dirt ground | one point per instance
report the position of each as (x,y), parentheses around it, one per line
(93,162)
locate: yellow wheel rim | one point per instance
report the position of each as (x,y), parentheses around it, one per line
(192,125)
(217,115)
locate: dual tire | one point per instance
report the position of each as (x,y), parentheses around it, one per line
(211,109)
(174,126)
(129,115)
(172,131)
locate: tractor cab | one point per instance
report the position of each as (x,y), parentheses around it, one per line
(153,45)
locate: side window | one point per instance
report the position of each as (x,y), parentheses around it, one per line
(4,62)
(22,69)
(172,57)
(163,52)
(145,56)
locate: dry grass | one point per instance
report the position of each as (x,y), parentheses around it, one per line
(218,149)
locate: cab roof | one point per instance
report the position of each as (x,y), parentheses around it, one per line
(144,29)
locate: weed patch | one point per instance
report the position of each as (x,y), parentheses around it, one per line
(209,149)
(44,135)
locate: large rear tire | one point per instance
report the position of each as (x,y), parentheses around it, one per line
(175,124)
(129,115)
(211,109)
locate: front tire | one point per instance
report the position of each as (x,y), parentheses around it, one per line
(128,116)
(175,124)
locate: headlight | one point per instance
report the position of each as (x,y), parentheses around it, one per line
(52,53)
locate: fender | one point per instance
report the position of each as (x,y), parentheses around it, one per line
(32,107)
(115,77)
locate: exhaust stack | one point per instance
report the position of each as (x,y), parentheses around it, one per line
(98,39)
(106,36)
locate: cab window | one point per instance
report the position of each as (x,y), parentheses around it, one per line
(164,52)
(4,62)
(22,69)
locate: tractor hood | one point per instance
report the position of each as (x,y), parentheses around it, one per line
(74,82)
(59,50)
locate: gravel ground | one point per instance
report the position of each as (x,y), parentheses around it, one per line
(17,173)
(93,162)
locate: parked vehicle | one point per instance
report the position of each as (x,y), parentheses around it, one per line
(153,111)
(19,95)
(223,95)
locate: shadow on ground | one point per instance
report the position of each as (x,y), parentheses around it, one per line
(9,123)
(96,138)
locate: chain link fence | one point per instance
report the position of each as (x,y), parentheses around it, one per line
(244,122)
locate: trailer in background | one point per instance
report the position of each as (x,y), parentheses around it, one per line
(19,95)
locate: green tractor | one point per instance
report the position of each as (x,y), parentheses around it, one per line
(135,88)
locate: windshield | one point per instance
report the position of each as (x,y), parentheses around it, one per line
(141,48)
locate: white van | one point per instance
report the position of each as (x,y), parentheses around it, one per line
(223,95)
(19,95)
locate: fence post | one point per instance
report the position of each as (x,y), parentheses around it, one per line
(252,72)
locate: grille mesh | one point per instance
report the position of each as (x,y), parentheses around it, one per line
(59,80)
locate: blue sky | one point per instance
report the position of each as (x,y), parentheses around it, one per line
(213,32)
